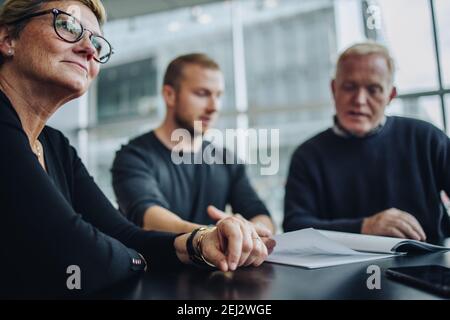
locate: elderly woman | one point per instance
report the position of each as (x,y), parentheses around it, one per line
(55,221)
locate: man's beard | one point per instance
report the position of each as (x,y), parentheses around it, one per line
(184,124)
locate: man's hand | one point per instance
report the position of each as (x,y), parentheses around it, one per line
(217,215)
(393,223)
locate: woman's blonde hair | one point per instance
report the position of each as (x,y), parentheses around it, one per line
(13,10)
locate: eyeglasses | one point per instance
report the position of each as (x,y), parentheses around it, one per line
(70,29)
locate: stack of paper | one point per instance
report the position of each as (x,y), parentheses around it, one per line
(311,249)
(378,244)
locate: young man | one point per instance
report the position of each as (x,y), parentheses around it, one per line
(160,193)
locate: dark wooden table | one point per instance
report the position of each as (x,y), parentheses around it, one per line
(274,282)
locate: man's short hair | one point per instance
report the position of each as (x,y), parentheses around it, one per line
(368,48)
(174,71)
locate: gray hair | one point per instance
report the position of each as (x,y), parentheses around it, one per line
(368,48)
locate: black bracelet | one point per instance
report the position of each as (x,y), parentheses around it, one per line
(193,256)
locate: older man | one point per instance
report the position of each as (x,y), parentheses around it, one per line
(370,173)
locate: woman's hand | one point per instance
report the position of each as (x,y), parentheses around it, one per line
(234,243)
(261,229)
(231,244)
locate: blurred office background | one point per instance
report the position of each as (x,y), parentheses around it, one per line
(277,56)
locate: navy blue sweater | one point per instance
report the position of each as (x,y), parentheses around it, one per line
(144,175)
(334,182)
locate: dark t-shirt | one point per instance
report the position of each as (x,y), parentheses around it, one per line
(144,174)
(59,218)
(334,182)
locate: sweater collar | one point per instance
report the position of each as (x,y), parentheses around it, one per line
(340,131)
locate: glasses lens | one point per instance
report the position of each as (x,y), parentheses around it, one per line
(68,27)
(102,48)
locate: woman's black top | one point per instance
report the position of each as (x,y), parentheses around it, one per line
(56,223)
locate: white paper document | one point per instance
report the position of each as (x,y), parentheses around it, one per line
(378,244)
(311,249)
